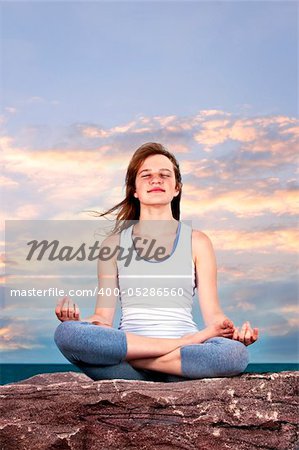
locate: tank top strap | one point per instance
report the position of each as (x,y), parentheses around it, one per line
(182,248)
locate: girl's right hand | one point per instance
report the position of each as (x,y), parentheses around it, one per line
(66,309)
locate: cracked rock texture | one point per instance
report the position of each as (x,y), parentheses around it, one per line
(69,411)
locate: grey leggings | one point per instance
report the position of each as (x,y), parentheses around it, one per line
(100,352)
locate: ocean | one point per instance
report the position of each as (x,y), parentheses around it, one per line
(10,373)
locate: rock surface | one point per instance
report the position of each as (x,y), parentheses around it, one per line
(69,411)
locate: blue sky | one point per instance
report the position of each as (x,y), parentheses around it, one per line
(83,84)
(108,61)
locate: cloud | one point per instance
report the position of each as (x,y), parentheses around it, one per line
(7,182)
(212,133)
(215,127)
(243,133)
(257,131)
(258,241)
(243,202)
(261,270)
(245,306)
(27,211)
(14,335)
(212,112)
(58,176)
(289,309)
(10,110)
(35,99)
(94,132)
(89,170)
(217,131)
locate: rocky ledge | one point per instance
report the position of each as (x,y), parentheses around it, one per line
(69,411)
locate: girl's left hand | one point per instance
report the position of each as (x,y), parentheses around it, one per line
(247,335)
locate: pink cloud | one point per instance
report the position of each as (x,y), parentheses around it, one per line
(15,337)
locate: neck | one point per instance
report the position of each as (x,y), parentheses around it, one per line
(156,212)
(156,220)
(156,228)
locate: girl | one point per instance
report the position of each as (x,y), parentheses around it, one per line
(154,343)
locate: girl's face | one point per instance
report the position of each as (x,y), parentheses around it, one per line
(155,181)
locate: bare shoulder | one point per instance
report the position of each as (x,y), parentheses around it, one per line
(202,246)
(111,241)
(108,247)
(199,238)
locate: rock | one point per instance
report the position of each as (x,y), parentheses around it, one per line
(69,411)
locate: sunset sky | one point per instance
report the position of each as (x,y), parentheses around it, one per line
(84,84)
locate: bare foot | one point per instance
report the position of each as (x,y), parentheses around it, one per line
(222,328)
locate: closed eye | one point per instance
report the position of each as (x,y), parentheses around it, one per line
(163,175)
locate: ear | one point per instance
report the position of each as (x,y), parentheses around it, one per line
(135,195)
(177,193)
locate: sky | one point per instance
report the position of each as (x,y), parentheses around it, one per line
(84,84)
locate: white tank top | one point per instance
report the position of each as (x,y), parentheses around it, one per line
(156,296)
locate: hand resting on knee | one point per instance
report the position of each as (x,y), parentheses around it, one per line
(66,310)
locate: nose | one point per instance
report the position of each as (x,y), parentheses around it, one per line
(155,178)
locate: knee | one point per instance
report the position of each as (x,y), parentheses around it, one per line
(237,357)
(63,335)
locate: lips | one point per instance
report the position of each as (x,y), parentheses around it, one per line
(157,190)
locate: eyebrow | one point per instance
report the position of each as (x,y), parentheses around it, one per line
(149,170)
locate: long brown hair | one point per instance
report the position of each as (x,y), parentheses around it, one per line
(129,208)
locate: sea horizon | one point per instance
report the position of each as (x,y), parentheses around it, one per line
(14,372)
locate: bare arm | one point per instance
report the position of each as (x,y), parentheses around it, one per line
(206,277)
(107,283)
(104,312)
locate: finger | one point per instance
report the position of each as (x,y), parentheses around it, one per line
(77,312)
(75,308)
(249,328)
(224,323)
(59,306)
(247,337)
(231,324)
(70,309)
(227,323)
(249,334)
(255,334)
(58,314)
(227,326)
(236,334)
(58,311)
(64,309)
(228,335)
(228,331)
(242,333)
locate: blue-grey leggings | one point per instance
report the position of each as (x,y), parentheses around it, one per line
(100,353)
